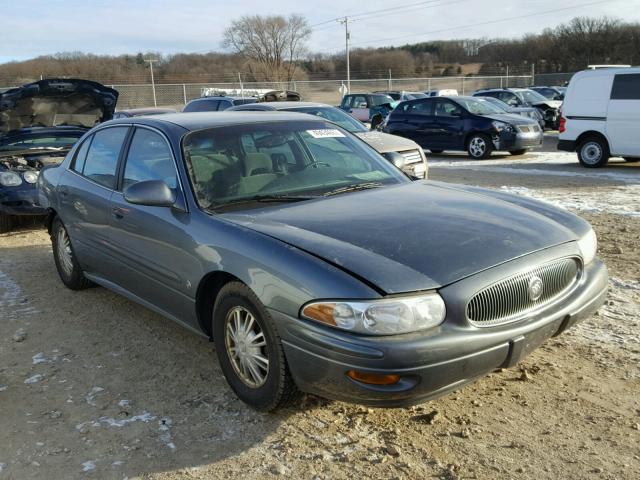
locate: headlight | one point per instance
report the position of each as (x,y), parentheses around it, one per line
(502,127)
(380,317)
(30,176)
(588,245)
(10,179)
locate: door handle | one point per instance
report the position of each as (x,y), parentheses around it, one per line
(118,213)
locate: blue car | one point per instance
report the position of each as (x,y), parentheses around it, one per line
(311,262)
(39,123)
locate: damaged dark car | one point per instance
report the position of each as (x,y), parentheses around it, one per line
(39,123)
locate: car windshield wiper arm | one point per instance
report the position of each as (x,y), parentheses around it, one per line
(353,188)
(265,198)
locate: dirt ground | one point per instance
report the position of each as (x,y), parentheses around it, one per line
(95,386)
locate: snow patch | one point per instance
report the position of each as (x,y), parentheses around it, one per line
(123,403)
(2,389)
(617,200)
(34,379)
(165,435)
(113,422)
(92,395)
(89,466)
(13,304)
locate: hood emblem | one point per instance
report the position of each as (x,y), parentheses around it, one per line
(535,288)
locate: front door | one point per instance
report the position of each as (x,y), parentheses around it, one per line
(153,251)
(448,133)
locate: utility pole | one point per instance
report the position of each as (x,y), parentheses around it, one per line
(153,83)
(345,21)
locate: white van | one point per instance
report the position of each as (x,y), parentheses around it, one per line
(601,116)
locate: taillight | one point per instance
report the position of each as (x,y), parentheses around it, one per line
(563,122)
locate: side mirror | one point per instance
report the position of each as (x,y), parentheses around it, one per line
(153,193)
(397,159)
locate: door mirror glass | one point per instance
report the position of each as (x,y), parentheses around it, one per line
(153,193)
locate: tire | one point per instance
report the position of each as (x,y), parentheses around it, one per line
(631,159)
(593,152)
(68,267)
(479,146)
(436,151)
(6,222)
(522,151)
(269,387)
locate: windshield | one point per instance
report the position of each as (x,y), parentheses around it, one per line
(530,96)
(479,106)
(377,100)
(334,115)
(497,103)
(239,163)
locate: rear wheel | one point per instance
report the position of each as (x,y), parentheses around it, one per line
(250,351)
(68,267)
(479,146)
(522,151)
(6,222)
(593,152)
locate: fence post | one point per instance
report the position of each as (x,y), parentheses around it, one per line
(462,85)
(389,80)
(184,93)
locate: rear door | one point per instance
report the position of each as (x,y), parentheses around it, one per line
(623,115)
(420,122)
(85,191)
(150,244)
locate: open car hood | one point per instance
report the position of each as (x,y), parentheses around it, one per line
(56,102)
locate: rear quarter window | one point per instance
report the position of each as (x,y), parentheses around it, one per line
(626,87)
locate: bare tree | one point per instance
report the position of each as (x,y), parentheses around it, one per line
(272,45)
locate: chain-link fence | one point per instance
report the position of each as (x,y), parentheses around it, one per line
(324,91)
(552,79)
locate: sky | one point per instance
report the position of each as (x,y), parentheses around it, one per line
(39,27)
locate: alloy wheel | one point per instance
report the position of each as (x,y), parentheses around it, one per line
(65,256)
(246,344)
(477,146)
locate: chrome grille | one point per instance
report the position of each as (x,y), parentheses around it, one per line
(510,299)
(411,156)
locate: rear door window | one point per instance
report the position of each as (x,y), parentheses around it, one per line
(81,155)
(359,101)
(626,87)
(102,157)
(418,108)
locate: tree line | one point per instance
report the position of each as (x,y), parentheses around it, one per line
(273,48)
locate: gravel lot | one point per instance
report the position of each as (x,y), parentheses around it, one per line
(94,386)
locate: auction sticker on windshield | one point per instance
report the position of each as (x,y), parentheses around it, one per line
(325,133)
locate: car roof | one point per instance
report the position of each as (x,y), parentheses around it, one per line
(135,111)
(201,120)
(279,105)
(222,97)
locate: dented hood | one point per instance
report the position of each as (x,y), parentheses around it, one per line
(56,102)
(415,236)
(384,142)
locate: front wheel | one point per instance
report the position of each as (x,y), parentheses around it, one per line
(522,151)
(593,152)
(66,263)
(479,146)
(250,351)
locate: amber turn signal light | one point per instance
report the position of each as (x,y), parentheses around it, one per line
(373,378)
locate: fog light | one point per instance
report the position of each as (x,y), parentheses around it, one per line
(373,378)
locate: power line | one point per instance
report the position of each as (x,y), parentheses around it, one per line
(490,22)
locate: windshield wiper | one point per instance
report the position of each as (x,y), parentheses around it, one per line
(353,188)
(265,198)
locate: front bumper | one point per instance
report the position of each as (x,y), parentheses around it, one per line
(430,363)
(21,200)
(518,141)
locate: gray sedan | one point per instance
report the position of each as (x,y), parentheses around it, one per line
(311,262)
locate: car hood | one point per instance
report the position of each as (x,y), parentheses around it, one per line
(510,118)
(56,102)
(416,236)
(549,103)
(384,142)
